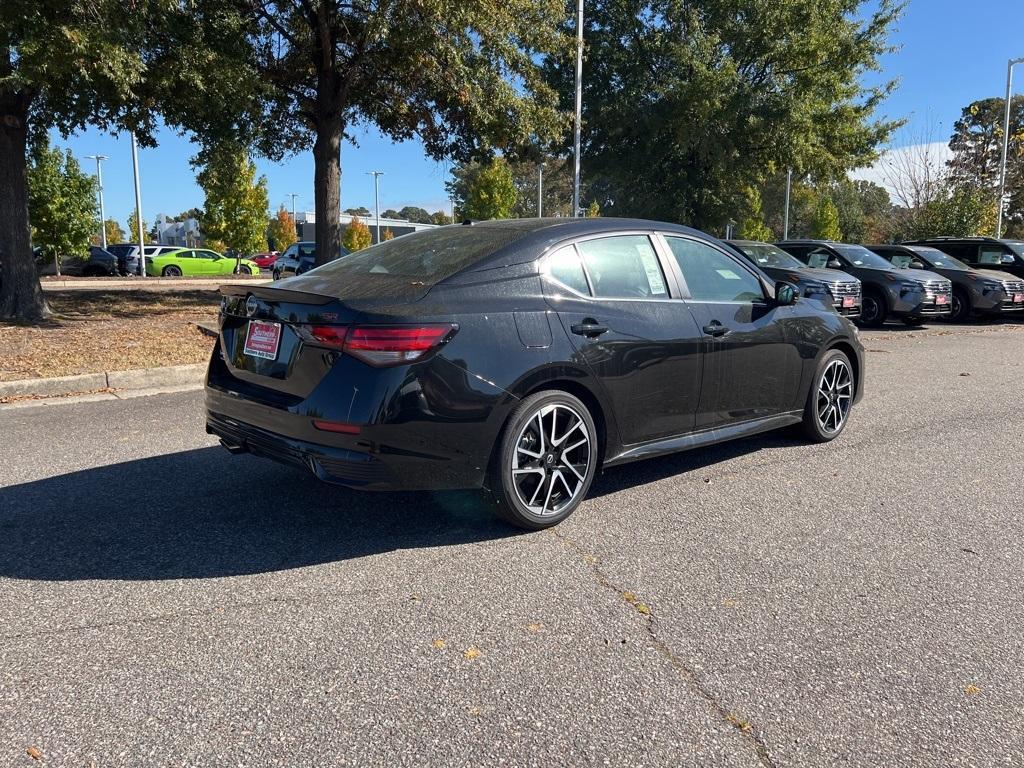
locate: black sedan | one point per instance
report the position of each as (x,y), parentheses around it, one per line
(522,356)
(841,289)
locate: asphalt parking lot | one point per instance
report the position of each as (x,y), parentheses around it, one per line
(763,603)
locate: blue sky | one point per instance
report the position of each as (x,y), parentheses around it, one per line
(951,53)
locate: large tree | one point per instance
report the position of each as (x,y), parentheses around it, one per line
(61,203)
(977,145)
(688,104)
(459,74)
(63,64)
(235,210)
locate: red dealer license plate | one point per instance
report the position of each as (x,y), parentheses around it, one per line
(849,301)
(940,299)
(262,339)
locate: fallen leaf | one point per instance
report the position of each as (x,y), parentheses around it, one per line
(471,653)
(590,559)
(965,374)
(439,644)
(533,627)
(34,753)
(739,722)
(475,711)
(729,602)
(972,690)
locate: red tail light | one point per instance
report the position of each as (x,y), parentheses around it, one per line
(381,345)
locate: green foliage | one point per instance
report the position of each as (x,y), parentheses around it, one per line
(865,211)
(686,105)
(593,210)
(61,202)
(414,213)
(484,190)
(357,236)
(191,213)
(976,144)
(281,230)
(360,211)
(133,229)
(440,217)
(753,226)
(956,211)
(235,210)
(825,224)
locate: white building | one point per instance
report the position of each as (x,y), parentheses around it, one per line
(184,234)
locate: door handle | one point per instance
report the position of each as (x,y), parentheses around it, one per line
(589,328)
(715,329)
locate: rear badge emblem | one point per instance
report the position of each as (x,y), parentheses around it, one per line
(251,305)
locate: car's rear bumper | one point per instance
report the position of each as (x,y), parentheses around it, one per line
(402,443)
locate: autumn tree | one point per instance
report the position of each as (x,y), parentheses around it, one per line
(133,229)
(357,236)
(753,227)
(387,234)
(61,203)
(977,143)
(113,231)
(235,211)
(281,230)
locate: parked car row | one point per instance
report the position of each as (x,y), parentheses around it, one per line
(174,261)
(910,282)
(298,259)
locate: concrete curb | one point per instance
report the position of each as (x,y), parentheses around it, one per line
(141,378)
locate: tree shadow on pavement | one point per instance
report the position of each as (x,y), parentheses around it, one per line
(205,513)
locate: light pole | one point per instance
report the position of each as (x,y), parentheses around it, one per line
(293,195)
(99,191)
(1006,143)
(579,110)
(540,190)
(138,207)
(376,197)
(785,217)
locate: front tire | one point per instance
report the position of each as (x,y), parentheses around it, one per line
(831,398)
(873,310)
(961,307)
(545,462)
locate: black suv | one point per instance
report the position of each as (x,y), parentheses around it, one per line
(981,252)
(841,289)
(298,259)
(909,295)
(980,291)
(98,263)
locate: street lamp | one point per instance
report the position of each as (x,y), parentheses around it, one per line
(1006,143)
(138,207)
(376,197)
(99,191)
(540,190)
(785,218)
(293,195)
(579,110)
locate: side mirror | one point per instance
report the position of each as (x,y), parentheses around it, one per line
(916,264)
(785,294)
(834,264)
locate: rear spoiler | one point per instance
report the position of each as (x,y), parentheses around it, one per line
(271,293)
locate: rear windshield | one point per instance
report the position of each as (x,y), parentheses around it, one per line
(426,257)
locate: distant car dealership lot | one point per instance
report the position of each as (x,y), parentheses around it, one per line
(854,603)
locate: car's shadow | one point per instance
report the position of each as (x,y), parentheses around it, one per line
(204,513)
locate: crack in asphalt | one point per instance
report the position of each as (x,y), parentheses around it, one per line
(742,726)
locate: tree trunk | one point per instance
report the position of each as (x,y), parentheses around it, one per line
(327,183)
(21,297)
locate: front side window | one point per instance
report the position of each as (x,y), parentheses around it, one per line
(564,265)
(713,276)
(624,267)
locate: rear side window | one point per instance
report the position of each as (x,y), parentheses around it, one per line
(818,259)
(624,267)
(711,275)
(993,255)
(426,257)
(564,266)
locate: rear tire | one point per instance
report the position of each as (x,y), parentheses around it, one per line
(830,399)
(545,461)
(276,274)
(171,271)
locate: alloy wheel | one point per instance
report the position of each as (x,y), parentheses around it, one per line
(551,460)
(835,395)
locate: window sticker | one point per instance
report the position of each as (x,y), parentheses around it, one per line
(728,274)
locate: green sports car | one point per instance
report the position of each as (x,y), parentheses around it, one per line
(197,262)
